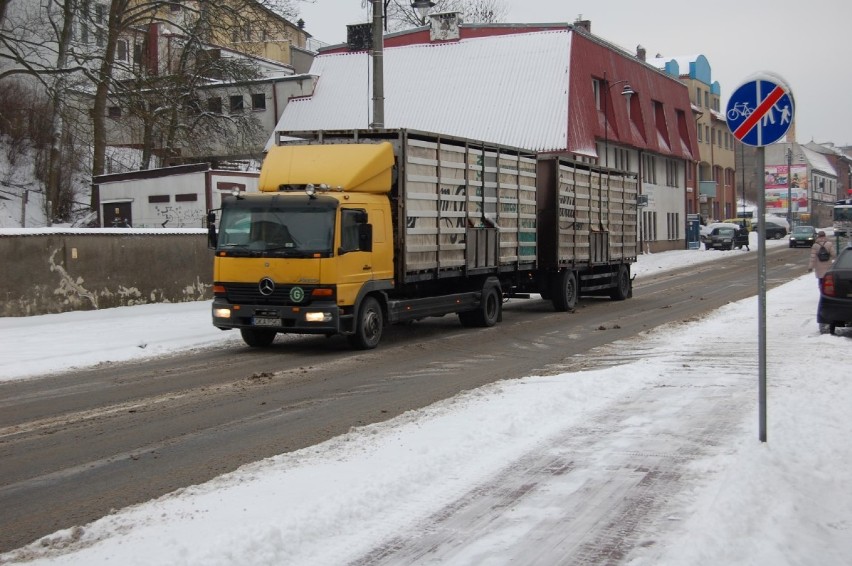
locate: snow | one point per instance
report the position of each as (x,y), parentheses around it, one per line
(683,399)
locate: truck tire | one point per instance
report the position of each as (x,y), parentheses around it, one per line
(623,288)
(565,291)
(257,338)
(489,310)
(368,326)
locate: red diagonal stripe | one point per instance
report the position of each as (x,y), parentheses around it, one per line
(758,113)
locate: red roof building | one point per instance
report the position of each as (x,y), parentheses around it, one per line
(550,88)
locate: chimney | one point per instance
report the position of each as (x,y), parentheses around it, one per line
(445,26)
(359,37)
(583,25)
(640,52)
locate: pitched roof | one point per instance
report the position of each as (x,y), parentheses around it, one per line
(510,90)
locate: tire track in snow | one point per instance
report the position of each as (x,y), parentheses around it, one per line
(598,492)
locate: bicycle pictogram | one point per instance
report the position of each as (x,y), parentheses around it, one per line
(740,109)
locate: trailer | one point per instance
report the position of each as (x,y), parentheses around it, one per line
(353,230)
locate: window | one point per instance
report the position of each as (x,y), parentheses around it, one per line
(188,197)
(596,92)
(174,7)
(622,159)
(214,105)
(137,54)
(121,51)
(193,106)
(114,112)
(258,101)
(649,226)
(697,96)
(649,169)
(700,137)
(154,199)
(672,173)
(349,228)
(707,99)
(673,225)
(99,13)
(237,104)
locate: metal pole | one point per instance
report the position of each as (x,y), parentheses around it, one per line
(606,122)
(761,289)
(789,186)
(742,165)
(378,67)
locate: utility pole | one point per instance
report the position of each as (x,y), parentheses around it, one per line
(378,67)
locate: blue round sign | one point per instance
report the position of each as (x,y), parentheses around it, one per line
(760,110)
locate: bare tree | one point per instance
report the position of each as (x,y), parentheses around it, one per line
(400,15)
(71,45)
(239,22)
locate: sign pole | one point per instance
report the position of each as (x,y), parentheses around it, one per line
(759,113)
(761,289)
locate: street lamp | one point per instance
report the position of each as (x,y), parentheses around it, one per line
(422,7)
(626,92)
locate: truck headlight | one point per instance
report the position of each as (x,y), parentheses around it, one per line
(317,317)
(221,312)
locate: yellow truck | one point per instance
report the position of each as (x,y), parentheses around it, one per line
(353,230)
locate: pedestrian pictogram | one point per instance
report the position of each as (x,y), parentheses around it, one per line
(761,110)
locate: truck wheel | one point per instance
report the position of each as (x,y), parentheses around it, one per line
(565,291)
(257,338)
(623,288)
(368,327)
(488,312)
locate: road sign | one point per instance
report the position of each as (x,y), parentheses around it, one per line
(760,110)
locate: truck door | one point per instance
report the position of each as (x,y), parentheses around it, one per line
(355,256)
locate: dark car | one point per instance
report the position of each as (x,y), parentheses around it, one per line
(802,236)
(775,231)
(835,297)
(721,238)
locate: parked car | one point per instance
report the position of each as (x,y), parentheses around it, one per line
(704,231)
(802,236)
(835,297)
(722,238)
(775,231)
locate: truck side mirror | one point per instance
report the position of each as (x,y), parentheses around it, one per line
(212,237)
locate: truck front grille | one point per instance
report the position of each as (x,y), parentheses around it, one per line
(243,293)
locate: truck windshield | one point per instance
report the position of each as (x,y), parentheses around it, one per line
(291,231)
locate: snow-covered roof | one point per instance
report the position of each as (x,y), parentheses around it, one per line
(488,88)
(818,161)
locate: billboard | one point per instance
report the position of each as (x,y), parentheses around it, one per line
(775,182)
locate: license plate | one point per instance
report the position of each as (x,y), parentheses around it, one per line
(265,321)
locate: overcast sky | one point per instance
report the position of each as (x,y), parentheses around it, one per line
(803,42)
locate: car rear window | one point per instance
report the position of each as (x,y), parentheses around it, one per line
(844,259)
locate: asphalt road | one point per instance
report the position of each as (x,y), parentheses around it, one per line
(75,446)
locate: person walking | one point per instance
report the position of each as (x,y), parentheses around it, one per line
(822,256)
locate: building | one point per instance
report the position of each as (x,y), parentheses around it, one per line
(549,88)
(190,80)
(184,100)
(717,194)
